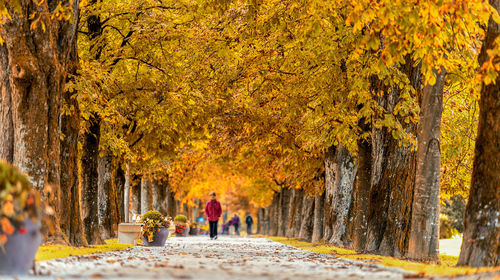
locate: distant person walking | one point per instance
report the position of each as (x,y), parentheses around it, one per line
(213,210)
(235,221)
(249,222)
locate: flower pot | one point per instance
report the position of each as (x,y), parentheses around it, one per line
(128,233)
(181,231)
(194,231)
(159,238)
(20,250)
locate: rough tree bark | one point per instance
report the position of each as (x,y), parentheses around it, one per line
(273,214)
(294,206)
(329,192)
(90,186)
(363,184)
(481,240)
(119,186)
(261,214)
(34,64)
(393,180)
(171,202)
(146,195)
(349,235)
(135,201)
(90,155)
(301,194)
(69,202)
(160,196)
(107,198)
(319,217)
(283,210)
(424,234)
(391,198)
(307,224)
(345,173)
(126,194)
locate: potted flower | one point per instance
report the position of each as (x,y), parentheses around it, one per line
(193,229)
(203,229)
(180,225)
(20,223)
(154,228)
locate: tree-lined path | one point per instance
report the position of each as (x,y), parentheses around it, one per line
(202,258)
(371,125)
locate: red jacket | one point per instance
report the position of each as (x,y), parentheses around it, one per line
(213,210)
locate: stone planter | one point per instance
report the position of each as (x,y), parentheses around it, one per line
(181,230)
(20,250)
(159,238)
(194,231)
(128,233)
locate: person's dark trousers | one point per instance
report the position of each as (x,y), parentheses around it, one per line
(249,229)
(213,228)
(236,229)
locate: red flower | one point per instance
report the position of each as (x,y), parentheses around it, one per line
(30,201)
(22,230)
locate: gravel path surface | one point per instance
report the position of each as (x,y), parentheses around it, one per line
(201,258)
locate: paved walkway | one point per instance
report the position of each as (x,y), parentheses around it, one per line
(201,258)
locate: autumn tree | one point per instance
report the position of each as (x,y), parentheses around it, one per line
(36,53)
(69,205)
(480,246)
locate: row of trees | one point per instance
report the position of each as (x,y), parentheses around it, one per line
(320,109)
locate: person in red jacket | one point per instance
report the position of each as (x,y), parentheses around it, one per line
(213,210)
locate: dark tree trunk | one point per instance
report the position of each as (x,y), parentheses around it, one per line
(146,195)
(481,239)
(34,64)
(307,222)
(104,182)
(186,210)
(294,206)
(280,214)
(363,184)
(283,210)
(126,194)
(386,161)
(297,219)
(90,155)
(107,198)
(136,197)
(273,215)
(69,204)
(171,202)
(290,213)
(391,197)
(347,239)
(424,233)
(393,180)
(178,209)
(319,217)
(160,196)
(119,186)
(329,192)
(345,173)
(194,211)
(258,221)
(90,186)
(261,214)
